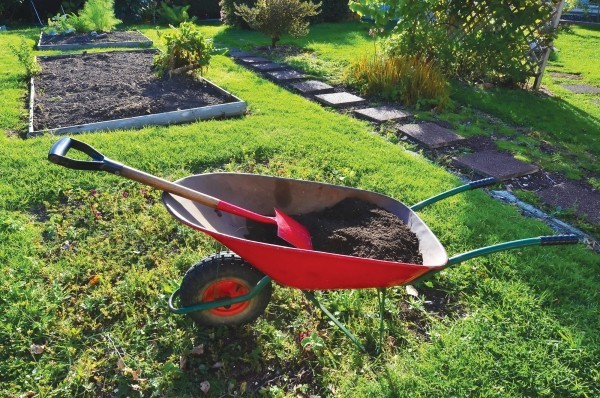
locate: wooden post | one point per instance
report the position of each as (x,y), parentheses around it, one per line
(555,22)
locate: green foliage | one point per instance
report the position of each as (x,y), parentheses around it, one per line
(471,40)
(186,49)
(137,10)
(276,17)
(408,79)
(174,15)
(99,15)
(228,14)
(59,24)
(25,56)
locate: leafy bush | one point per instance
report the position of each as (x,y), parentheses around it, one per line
(174,15)
(228,15)
(78,23)
(481,40)
(409,79)
(276,17)
(59,24)
(25,56)
(186,49)
(99,15)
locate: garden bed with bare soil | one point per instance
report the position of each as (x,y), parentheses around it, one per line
(112,90)
(78,41)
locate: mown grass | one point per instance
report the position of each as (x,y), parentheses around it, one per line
(88,261)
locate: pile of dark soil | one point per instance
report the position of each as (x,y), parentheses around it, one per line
(87,38)
(356,228)
(81,89)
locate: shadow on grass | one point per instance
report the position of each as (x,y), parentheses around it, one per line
(550,115)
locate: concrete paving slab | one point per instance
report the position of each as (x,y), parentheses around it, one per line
(572,195)
(562,75)
(339,99)
(382,114)
(430,134)
(240,54)
(254,60)
(269,66)
(312,87)
(286,75)
(582,88)
(501,165)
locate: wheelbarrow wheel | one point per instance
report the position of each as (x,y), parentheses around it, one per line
(219,276)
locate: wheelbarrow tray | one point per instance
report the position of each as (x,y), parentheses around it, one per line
(290,266)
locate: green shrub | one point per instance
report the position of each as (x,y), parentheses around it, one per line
(25,56)
(99,15)
(484,40)
(276,17)
(59,24)
(174,15)
(79,24)
(409,79)
(228,15)
(186,49)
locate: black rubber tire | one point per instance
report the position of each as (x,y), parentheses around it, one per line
(213,269)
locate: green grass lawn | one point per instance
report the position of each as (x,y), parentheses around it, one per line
(88,261)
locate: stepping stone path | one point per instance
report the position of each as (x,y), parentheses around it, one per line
(312,87)
(571,195)
(240,54)
(382,114)
(562,75)
(430,134)
(286,75)
(268,67)
(339,99)
(255,60)
(582,88)
(501,165)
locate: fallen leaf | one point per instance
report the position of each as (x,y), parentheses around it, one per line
(136,376)
(120,364)
(243,387)
(28,394)
(94,280)
(136,387)
(182,362)
(205,386)
(217,365)
(37,349)
(410,290)
(198,350)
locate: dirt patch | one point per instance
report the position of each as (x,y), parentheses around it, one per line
(88,38)
(356,228)
(88,88)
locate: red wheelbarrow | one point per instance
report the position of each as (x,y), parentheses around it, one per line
(232,288)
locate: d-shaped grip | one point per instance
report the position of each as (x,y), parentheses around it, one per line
(99,162)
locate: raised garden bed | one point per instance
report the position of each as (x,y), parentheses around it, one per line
(82,41)
(116,90)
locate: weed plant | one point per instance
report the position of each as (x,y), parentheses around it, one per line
(24,55)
